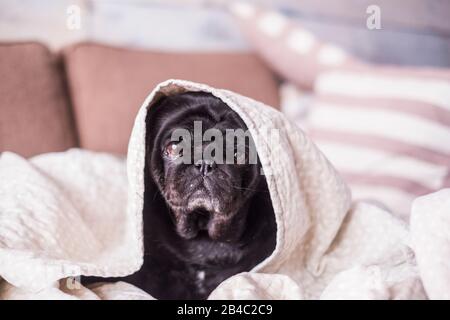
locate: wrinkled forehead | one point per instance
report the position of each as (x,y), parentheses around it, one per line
(203,116)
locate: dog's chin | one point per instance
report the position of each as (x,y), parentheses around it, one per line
(203,217)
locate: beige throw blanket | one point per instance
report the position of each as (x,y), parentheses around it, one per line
(75,213)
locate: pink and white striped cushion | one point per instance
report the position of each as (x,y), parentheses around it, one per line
(291,50)
(387,130)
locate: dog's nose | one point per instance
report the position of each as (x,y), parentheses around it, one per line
(205,166)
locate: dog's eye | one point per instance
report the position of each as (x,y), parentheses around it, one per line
(173,150)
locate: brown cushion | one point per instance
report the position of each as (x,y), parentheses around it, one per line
(108,85)
(34,110)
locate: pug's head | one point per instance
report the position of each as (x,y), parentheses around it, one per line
(203,161)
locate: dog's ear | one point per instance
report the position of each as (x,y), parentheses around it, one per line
(153,161)
(150,126)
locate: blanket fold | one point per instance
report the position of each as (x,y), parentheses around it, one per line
(78,213)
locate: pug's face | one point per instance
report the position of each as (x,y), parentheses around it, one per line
(207,181)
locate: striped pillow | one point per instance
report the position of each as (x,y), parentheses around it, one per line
(387,130)
(292,51)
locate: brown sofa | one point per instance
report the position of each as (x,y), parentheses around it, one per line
(87,95)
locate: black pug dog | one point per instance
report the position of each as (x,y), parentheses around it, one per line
(204,220)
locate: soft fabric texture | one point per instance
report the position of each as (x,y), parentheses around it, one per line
(430,237)
(291,50)
(68,214)
(107,84)
(35,115)
(385,130)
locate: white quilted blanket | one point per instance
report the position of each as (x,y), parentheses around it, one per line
(80,213)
